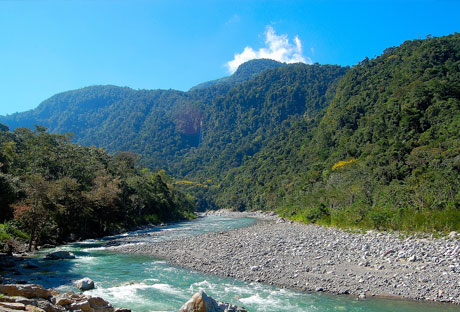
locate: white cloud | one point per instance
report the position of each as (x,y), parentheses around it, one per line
(277,48)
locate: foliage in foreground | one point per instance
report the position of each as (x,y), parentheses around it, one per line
(57,191)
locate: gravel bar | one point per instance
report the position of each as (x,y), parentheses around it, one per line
(314,258)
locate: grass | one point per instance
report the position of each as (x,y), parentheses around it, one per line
(354,218)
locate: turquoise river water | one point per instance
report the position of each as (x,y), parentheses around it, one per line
(146,284)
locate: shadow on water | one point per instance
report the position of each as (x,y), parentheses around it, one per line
(37,270)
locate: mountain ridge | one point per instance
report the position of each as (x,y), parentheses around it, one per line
(375,145)
(245,72)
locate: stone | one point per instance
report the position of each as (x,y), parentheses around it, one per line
(85,284)
(100,305)
(48,306)
(201,302)
(25,301)
(60,255)
(122,310)
(27,291)
(82,305)
(62,300)
(32,308)
(453,235)
(12,305)
(7,299)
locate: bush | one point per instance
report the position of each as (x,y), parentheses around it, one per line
(9,230)
(317,213)
(380,219)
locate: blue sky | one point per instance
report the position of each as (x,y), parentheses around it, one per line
(47,47)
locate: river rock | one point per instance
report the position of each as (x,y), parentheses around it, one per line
(32,308)
(81,305)
(100,305)
(47,306)
(12,306)
(84,284)
(14,298)
(27,291)
(201,302)
(59,255)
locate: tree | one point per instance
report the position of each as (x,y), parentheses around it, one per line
(33,211)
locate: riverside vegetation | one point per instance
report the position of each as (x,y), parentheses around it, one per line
(53,191)
(372,146)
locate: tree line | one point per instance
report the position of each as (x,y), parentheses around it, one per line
(54,191)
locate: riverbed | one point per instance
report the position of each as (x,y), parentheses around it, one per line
(146,283)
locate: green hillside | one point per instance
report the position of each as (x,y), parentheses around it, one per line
(385,155)
(374,146)
(237,125)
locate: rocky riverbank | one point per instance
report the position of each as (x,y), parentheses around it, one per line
(35,298)
(314,258)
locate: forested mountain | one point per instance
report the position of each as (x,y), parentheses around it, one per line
(373,146)
(386,154)
(243,120)
(160,125)
(115,118)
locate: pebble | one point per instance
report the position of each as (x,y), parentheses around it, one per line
(321,259)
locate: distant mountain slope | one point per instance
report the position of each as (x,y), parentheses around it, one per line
(245,72)
(243,120)
(111,117)
(157,124)
(165,125)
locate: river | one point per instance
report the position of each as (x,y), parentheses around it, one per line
(146,284)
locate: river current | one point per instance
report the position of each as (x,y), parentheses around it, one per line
(143,283)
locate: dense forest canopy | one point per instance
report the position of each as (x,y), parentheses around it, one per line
(57,191)
(376,145)
(384,155)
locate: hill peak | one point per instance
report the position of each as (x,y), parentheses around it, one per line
(245,72)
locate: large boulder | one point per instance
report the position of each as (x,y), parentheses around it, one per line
(84,284)
(27,291)
(59,255)
(201,302)
(47,306)
(81,306)
(100,305)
